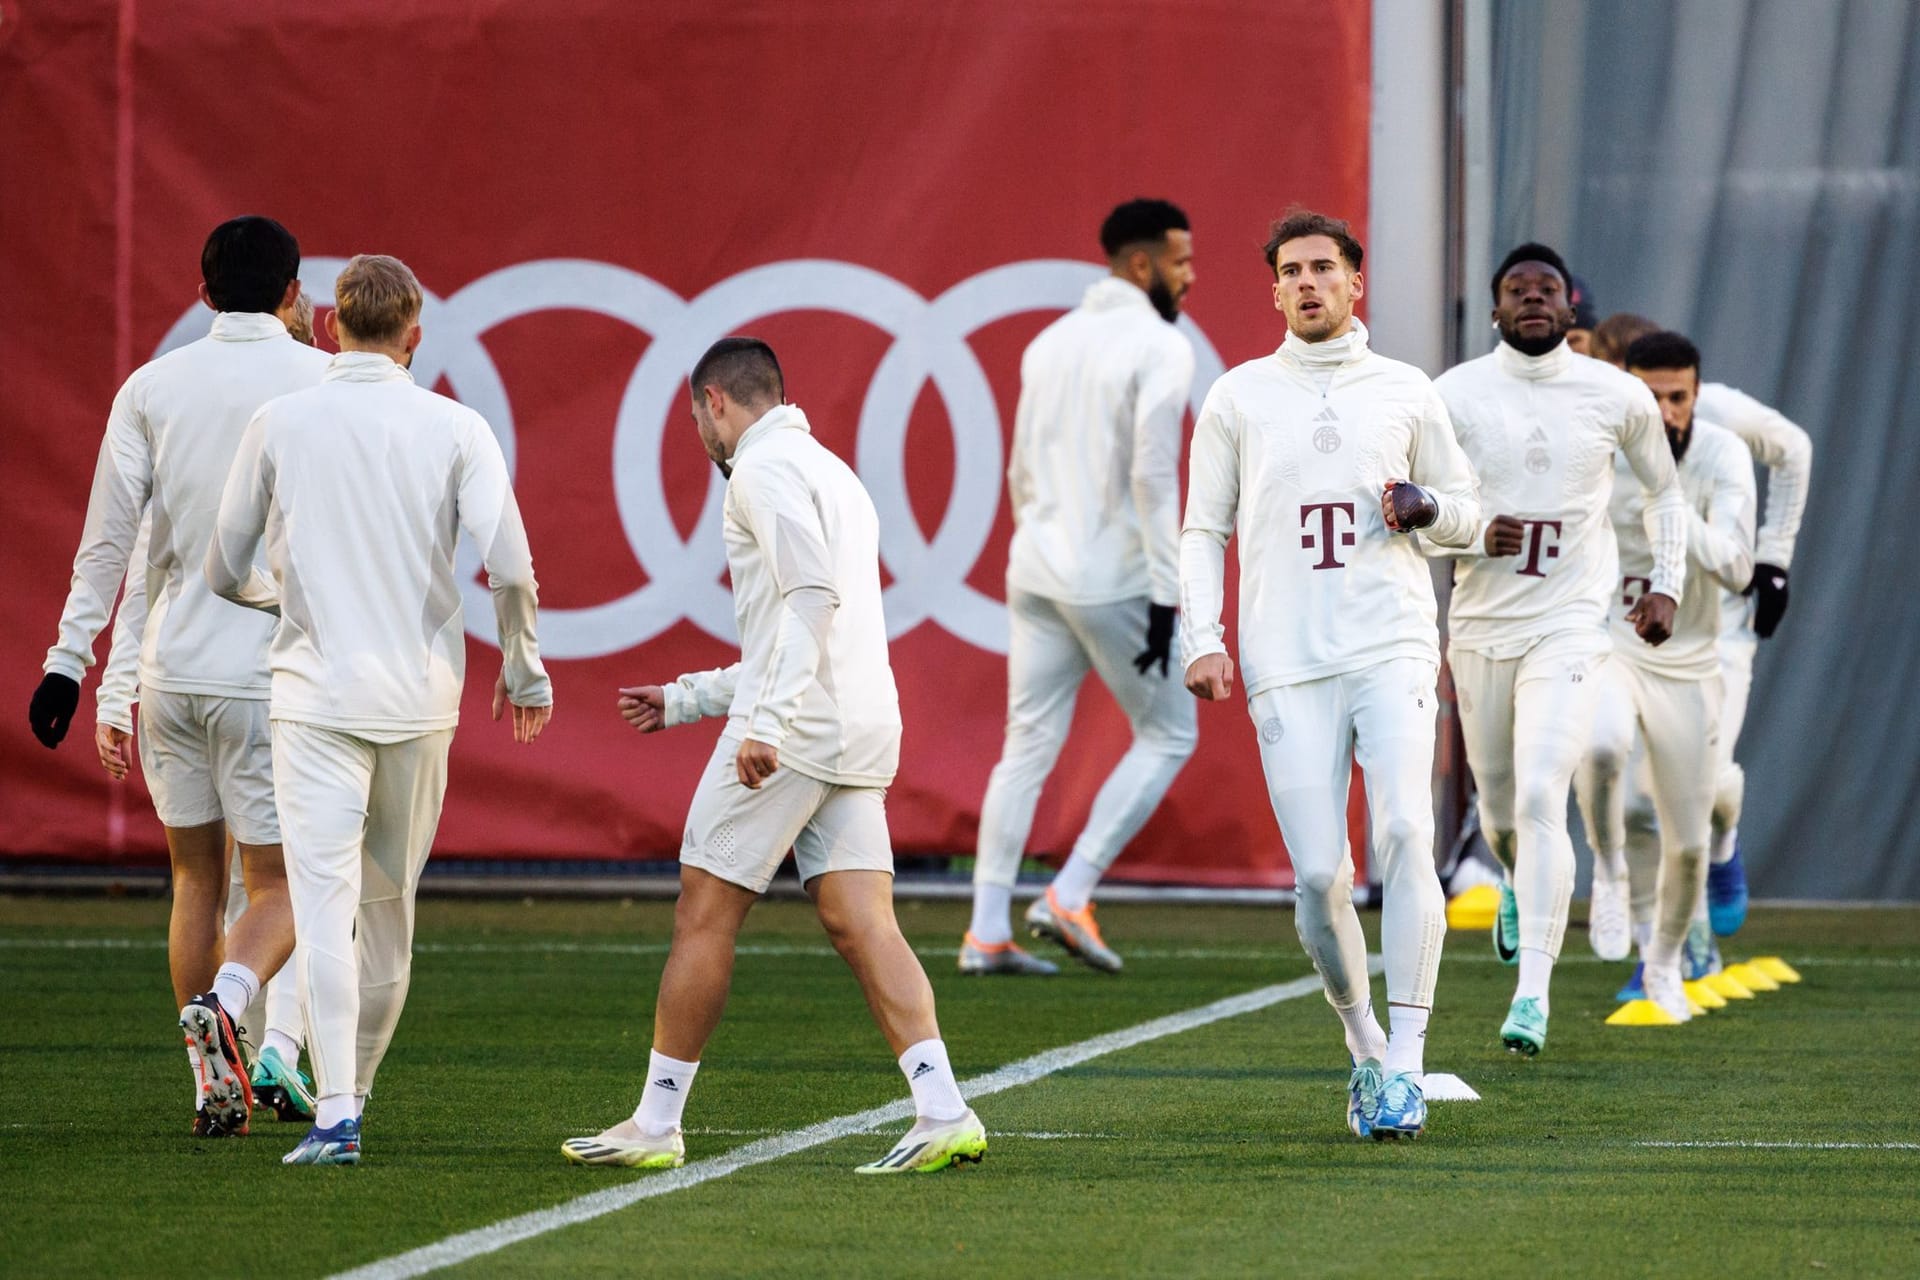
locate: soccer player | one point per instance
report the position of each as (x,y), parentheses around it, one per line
(812,740)
(175,427)
(1786,451)
(360,487)
(1528,618)
(1319,458)
(1095,565)
(1669,697)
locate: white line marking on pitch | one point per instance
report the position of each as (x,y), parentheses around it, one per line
(1794,1146)
(484,1240)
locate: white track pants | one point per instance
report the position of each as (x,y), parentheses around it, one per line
(1050,651)
(1736,683)
(1527,722)
(358,819)
(1310,735)
(1655,813)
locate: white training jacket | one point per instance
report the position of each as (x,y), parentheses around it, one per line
(1291,454)
(1780,446)
(803,548)
(1716,476)
(360,487)
(171,437)
(1542,433)
(1094,474)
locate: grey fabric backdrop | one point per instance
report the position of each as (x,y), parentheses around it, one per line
(1748,171)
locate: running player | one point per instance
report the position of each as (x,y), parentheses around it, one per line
(1528,618)
(1668,698)
(360,487)
(173,432)
(1318,457)
(1095,566)
(812,740)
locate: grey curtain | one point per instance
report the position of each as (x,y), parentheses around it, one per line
(1748,171)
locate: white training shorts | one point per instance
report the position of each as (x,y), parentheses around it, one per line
(206,758)
(742,835)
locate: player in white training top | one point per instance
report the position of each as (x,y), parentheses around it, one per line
(1528,617)
(173,432)
(812,740)
(1092,577)
(1669,697)
(1786,451)
(360,488)
(1321,459)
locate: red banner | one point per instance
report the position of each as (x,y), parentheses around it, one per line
(896,196)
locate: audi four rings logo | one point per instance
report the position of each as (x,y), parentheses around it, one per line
(929,343)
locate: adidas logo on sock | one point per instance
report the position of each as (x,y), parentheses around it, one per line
(921,1070)
(666,1082)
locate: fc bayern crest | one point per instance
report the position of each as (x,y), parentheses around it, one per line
(1539,461)
(1326,439)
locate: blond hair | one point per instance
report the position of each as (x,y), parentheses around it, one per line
(1612,336)
(376,298)
(300,322)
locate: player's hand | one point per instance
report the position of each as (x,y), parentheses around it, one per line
(1505,536)
(1211,677)
(1159,639)
(1769,592)
(1652,617)
(755,762)
(527,721)
(1406,506)
(51,711)
(644,706)
(116,753)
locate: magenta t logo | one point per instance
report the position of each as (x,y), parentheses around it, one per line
(1330,513)
(1537,543)
(1631,589)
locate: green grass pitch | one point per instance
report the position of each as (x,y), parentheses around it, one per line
(1220,1151)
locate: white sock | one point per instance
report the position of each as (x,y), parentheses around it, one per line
(1723,846)
(330,1109)
(936,1094)
(1073,887)
(665,1097)
(236,985)
(359,1105)
(992,913)
(1536,971)
(285,1046)
(1642,935)
(1407,1046)
(1365,1039)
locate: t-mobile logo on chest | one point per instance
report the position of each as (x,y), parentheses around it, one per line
(1539,547)
(1323,540)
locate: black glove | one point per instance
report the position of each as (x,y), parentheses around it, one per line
(52,708)
(1769,592)
(1408,507)
(1159,639)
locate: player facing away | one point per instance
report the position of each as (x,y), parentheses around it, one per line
(1668,698)
(1094,483)
(1319,458)
(171,436)
(1527,629)
(812,740)
(360,488)
(1786,451)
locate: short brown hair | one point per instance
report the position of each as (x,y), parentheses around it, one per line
(1612,336)
(376,297)
(1298,223)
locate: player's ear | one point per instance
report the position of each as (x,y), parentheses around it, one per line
(206,296)
(333,327)
(1359,286)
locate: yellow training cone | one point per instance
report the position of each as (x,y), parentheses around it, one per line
(1474,908)
(1752,978)
(1642,1013)
(1776,968)
(1728,985)
(1704,996)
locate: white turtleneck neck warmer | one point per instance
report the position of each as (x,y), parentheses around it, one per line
(1534,368)
(1321,360)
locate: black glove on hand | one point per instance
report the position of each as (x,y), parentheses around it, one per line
(1159,638)
(1769,592)
(1407,507)
(52,708)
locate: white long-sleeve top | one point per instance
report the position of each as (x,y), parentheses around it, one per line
(803,549)
(1542,433)
(171,437)
(1094,474)
(1716,477)
(1291,453)
(119,687)
(360,487)
(1783,448)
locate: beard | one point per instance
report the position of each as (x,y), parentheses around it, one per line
(1534,346)
(1319,327)
(1679,440)
(1163,300)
